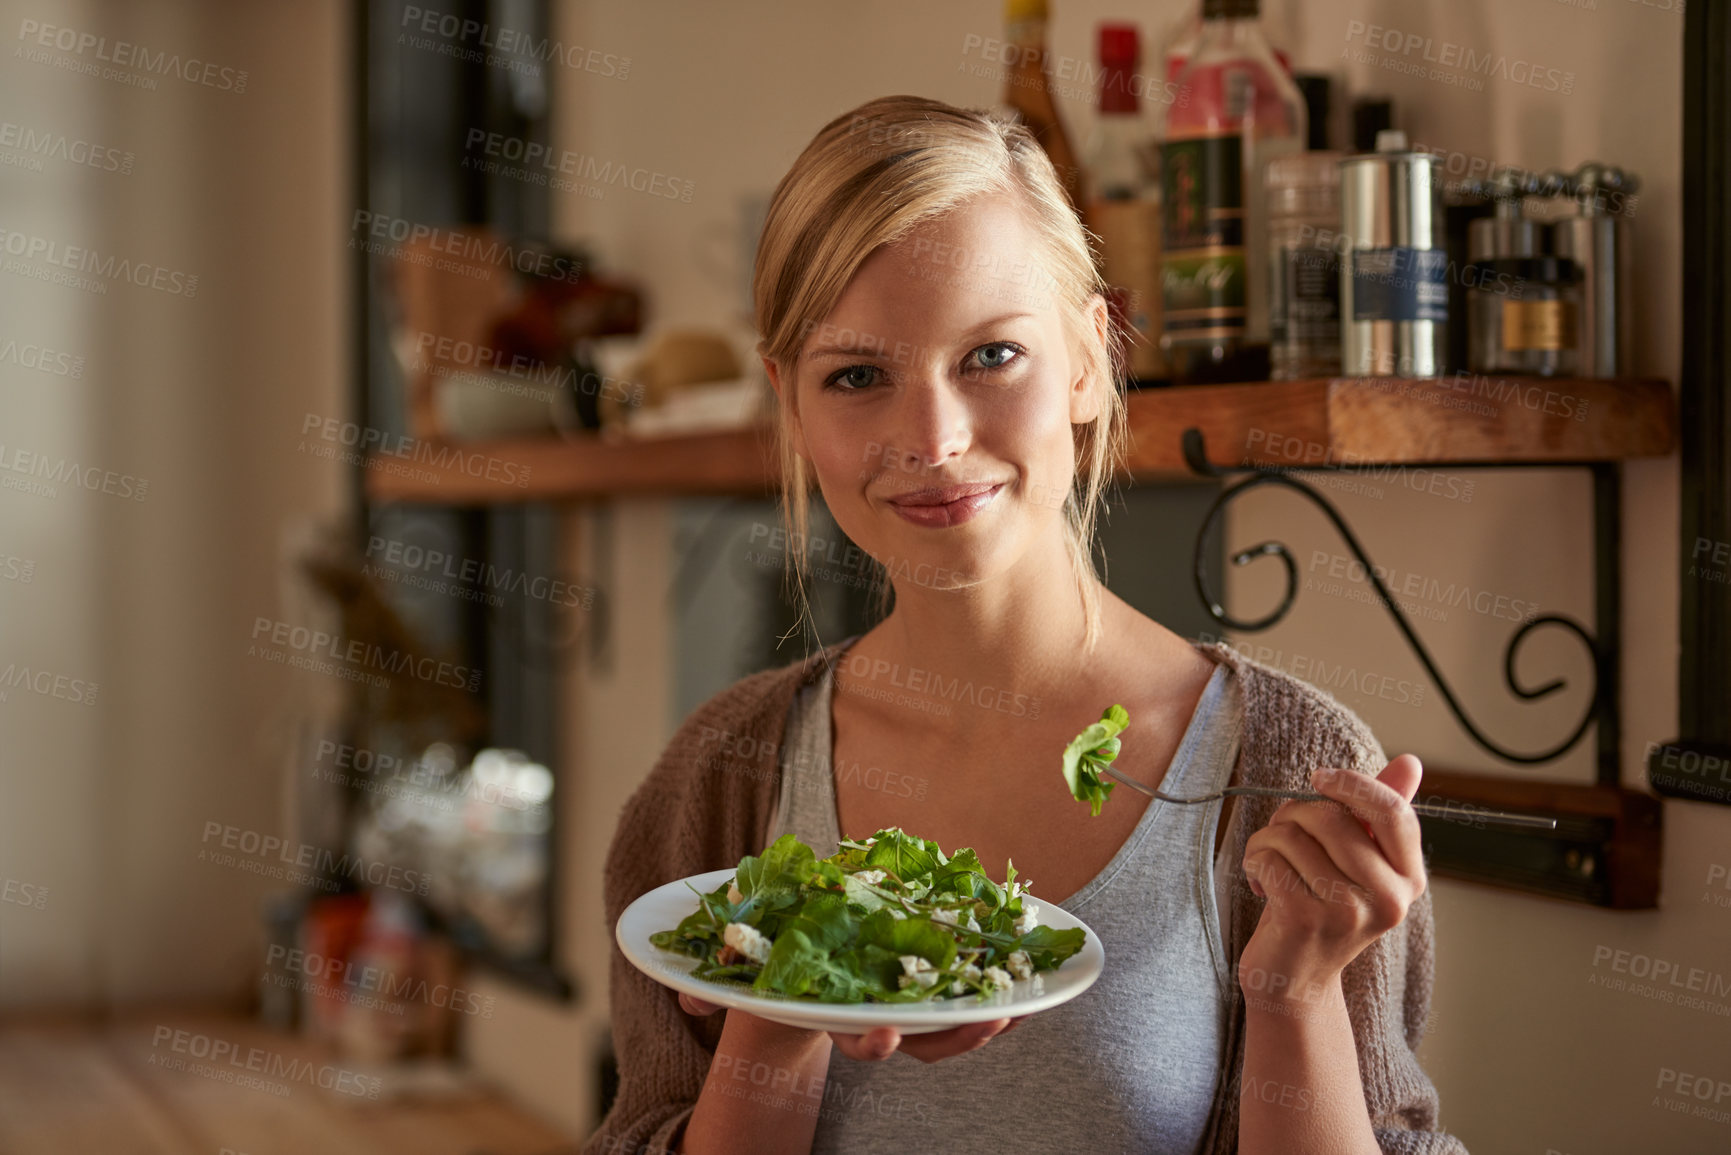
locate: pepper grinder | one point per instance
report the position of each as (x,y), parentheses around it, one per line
(1597,238)
(1507,232)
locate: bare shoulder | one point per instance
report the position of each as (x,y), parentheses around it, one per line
(1171,666)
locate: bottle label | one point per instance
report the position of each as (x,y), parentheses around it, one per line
(1304,303)
(1546,326)
(1203,280)
(1129,232)
(1399,284)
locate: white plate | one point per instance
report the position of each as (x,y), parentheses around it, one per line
(664,907)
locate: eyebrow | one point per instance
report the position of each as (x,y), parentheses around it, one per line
(877,348)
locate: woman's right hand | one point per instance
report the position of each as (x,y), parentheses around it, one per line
(883,1042)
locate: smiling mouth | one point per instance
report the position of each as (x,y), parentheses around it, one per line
(944,494)
(947,505)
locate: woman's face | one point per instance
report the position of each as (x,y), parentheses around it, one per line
(936,401)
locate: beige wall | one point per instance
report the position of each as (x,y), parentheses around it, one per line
(153,600)
(1527,1056)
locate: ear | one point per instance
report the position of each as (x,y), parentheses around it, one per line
(795,433)
(1085,397)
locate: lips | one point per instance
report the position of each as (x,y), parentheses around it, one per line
(944,495)
(947,505)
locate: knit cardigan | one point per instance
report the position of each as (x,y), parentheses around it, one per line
(708,802)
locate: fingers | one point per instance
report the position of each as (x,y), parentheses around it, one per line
(1342,845)
(1385,810)
(956,1041)
(870,1047)
(1290,865)
(881,1043)
(692,1005)
(1402,775)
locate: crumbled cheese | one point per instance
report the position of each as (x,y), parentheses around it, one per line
(998,977)
(970,971)
(917,970)
(733,892)
(1020,964)
(872,876)
(1037,986)
(953,918)
(1028,919)
(747,940)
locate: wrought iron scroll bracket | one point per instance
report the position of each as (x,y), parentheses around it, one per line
(1601,703)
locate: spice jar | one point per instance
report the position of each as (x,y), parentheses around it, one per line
(1521,316)
(1303,195)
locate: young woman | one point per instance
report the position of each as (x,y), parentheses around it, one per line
(936,332)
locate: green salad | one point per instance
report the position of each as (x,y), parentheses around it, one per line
(892,919)
(1088,752)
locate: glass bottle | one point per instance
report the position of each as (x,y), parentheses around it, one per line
(1303,192)
(1236,109)
(1028,90)
(1122,168)
(1181,38)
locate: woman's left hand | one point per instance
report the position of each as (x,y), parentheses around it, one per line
(1336,875)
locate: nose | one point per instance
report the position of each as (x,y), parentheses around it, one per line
(933,424)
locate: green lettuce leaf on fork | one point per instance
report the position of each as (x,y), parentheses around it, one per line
(1088,752)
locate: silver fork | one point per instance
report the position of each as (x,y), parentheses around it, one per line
(1455,811)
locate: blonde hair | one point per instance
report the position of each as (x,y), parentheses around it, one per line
(867,179)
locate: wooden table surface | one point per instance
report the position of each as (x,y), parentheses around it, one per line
(204,1083)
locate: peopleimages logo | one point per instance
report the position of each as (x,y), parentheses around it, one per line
(1449,55)
(78,259)
(510,42)
(355,652)
(247,1067)
(29,464)
(343,979)
(540,161)
(275,857)
(463,253)
(125,55)
(35,145)
(32,356)
(46,683)
(371,445)
(463,572)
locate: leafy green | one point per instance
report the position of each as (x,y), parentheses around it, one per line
(915,936)
(774,878)
(1049,947)
(838,934)
(798,966)
(1088,752)
(905,857)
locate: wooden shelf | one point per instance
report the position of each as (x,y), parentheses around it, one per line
(1606,850)
(1466,419)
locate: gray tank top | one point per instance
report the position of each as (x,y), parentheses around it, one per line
(1134,1064)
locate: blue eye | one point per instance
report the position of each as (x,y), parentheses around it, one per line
(993,356)
(844,379)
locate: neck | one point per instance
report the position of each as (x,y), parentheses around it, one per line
(1021,632)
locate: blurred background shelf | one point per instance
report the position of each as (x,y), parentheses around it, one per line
(1341,421)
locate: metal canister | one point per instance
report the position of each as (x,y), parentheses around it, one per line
(1394,301)
(1597,239)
